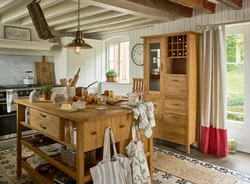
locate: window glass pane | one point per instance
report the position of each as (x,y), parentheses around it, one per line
(111,53)
(124,58)
(235,48)
(235,77)
(114,66)
(116,52)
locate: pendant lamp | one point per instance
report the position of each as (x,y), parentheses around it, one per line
(78,43)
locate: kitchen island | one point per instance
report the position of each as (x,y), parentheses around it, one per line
(46,118)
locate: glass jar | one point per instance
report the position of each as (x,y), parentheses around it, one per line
(59,95)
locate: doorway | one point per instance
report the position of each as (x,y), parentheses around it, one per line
(238,85)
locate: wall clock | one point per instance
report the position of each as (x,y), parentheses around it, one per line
(137,54)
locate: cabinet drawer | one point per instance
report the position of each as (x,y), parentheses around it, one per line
(175,106)
(175,119)
(93,135)
(174,133)
(172,91)
(175,79)
(47,123)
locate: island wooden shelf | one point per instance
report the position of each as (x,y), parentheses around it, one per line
(90,124)
(54,160)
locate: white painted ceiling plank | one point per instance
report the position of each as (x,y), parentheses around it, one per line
(90,19)
(19,12)
(5,2)
(118,25)
(133,9)
(84,12)
(54,11)
(137,26)
(111,21)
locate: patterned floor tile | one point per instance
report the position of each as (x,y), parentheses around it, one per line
(6,164)
(4,179)
(166,178)
(179,181)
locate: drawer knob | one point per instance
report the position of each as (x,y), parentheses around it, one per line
(42,115)
(93,133)
(122,126)
(43,127)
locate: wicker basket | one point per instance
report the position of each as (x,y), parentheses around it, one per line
(69,156)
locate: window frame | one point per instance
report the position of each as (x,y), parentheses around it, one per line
(108,44)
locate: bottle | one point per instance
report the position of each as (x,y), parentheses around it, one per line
(34,96)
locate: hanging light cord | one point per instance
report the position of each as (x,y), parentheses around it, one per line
(78,15)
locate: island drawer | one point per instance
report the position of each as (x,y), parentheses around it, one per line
(46,123)
(94,130)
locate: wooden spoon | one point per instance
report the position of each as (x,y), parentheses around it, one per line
(69,81)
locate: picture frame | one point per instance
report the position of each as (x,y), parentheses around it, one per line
(17,33)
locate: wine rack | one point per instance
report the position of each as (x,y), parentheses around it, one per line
(177,46)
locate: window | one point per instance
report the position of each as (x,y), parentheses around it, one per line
(235,77)
(118,59)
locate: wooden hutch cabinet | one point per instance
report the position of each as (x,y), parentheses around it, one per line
(171,65)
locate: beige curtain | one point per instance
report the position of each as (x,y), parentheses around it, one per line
(213,92)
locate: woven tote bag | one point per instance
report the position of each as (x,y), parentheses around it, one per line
(112,171)
(140,171)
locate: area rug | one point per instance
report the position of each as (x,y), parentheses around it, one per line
(192,170)
(8,169)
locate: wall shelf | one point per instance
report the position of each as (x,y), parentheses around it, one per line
(27,45)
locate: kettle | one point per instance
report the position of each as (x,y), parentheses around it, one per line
(28,80)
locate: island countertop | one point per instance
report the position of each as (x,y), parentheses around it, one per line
(81,115)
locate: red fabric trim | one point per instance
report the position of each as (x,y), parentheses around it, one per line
(214,141)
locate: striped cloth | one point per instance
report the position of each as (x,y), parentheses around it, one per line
(144,112)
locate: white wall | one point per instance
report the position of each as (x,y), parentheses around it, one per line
(223,15)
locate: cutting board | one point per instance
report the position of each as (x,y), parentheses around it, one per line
(45,73)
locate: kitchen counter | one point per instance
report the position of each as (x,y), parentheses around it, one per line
(46,118)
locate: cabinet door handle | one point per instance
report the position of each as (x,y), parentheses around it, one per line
(161,66)
(175,117)
(42,115)
(43,127)
(175,104)
(175,80)
(122,126)
(93,133)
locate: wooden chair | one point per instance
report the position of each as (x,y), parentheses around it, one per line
(138,85)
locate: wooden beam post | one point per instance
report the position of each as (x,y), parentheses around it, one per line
(235,4)
(166,5)
(204,5)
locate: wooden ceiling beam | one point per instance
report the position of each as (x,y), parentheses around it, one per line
(87,20)
(125,28)
(84,12)
(203,5)
(164,5)
(117,25)
(115,20)
(235,4)
(22,11)
(128,7)
(54,11)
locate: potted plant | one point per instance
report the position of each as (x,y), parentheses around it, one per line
(112,75)
(108,76)
(47,91)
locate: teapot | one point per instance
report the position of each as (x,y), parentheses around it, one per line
(27,80)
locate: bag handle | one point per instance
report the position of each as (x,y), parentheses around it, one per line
(106,147)
(113,141)
(135,132)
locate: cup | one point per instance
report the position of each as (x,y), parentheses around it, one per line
(101,100)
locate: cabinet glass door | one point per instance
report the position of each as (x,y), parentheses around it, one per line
(154,66)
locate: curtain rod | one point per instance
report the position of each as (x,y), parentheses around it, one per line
(228,23)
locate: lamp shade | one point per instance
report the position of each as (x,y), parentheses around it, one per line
(78,43)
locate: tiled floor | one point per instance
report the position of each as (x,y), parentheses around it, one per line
(238,162)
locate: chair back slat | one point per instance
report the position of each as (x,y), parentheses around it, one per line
(138,85)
